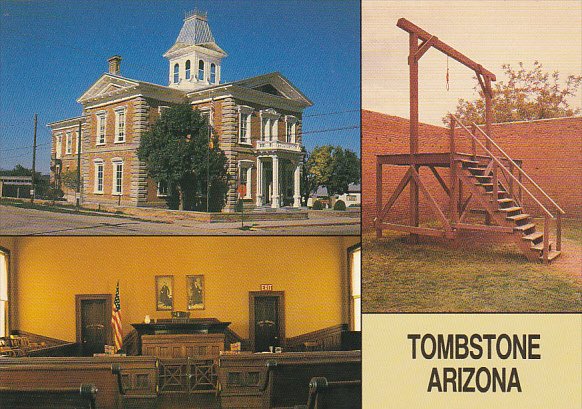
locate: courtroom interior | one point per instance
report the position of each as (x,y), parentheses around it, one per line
(164,322)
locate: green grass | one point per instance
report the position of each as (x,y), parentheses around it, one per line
(434,277)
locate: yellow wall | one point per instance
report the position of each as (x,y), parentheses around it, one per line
(51,270)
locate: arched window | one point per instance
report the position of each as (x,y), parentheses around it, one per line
(201,70)
(176,73)
(188,69)
(212,73)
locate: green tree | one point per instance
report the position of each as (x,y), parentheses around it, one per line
(69,179)
(332,167)
(178,151)
(526,94)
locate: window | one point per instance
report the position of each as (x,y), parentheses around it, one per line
(212,73)
(120,125)
(291,129)
(69,143)
(245,115)
(200,70)
(59,146)
(101,123)
(270,124)
(4,258)
(245,176)
(355,273)
(187,69)
(176,73)
(99,176)
(117,177)
(162,189)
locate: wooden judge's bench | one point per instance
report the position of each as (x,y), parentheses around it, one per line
(194,338)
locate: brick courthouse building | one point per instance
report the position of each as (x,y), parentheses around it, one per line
(257,120)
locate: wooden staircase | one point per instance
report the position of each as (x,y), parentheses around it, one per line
(499,182)
(510,213)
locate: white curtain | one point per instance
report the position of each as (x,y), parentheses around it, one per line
(356,293)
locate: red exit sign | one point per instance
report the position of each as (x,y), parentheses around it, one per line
(266,287)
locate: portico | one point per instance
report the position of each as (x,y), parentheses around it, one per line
(278,180)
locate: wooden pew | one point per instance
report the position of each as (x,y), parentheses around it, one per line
(83,397)
(114,377)
(264,381)
(324,394)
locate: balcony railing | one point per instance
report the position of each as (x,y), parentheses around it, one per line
(278,145)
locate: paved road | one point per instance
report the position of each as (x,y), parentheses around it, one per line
(18,221)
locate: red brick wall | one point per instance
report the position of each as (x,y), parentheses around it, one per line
(551,151)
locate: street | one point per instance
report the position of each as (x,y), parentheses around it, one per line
(22,221)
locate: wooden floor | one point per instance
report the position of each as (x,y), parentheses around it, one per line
(171,401)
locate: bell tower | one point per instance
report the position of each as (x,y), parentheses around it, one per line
(195,58)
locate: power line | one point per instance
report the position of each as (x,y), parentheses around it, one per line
(332,129)
(331,113)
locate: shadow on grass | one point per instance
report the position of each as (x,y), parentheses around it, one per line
(480,276)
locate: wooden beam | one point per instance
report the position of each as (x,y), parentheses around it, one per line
(378,194)
(431,201)
(464,206)
(440,180)
(444,48)
(482,227)
(478,195)
(395,195)
(414,230)
(424,47)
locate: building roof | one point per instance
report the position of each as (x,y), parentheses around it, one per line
(195,30)
(354,188)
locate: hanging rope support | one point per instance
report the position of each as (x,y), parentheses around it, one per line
(447,73)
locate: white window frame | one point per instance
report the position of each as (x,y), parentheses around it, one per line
(99,163)
(4,292)
(212,73)
(117,188)
(245,138)
(203,70)
(100,138)
(354,276)
(247,166)
(120,112)
(59,145)
(160,193)
(69,143)
(291,128)
(208,113)
(162,108)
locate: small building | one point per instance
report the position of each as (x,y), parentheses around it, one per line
(353,197)
(257,120)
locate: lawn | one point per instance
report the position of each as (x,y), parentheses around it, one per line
(480,276)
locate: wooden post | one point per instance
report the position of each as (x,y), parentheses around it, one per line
(473,143)
(559,231)
(495,181)
(378,198)
(488,111)
(546,239)
(511,180)
(413,68)
(454,180)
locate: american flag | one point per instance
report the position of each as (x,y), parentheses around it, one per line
(116,321)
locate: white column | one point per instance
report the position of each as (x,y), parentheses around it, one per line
(275,197)
(259,182)
(297,186)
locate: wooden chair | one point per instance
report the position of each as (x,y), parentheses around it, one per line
(83,397)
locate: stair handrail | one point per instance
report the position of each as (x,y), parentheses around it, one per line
(519,169)
(546,211)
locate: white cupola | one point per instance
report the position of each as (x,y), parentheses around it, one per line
(195,57)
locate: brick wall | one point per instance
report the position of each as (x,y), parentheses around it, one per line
(551,151)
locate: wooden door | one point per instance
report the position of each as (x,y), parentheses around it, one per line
(93,323)
(267,320)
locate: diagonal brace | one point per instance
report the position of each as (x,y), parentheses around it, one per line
(431,201)
(395,195)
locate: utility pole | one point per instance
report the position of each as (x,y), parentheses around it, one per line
(32,192)
(78,194)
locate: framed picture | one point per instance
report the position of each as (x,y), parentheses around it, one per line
(195,289)
(164,293)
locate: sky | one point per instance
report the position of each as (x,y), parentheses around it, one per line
(491,33)
(53,51)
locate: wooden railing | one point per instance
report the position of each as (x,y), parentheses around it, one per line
(496,165)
